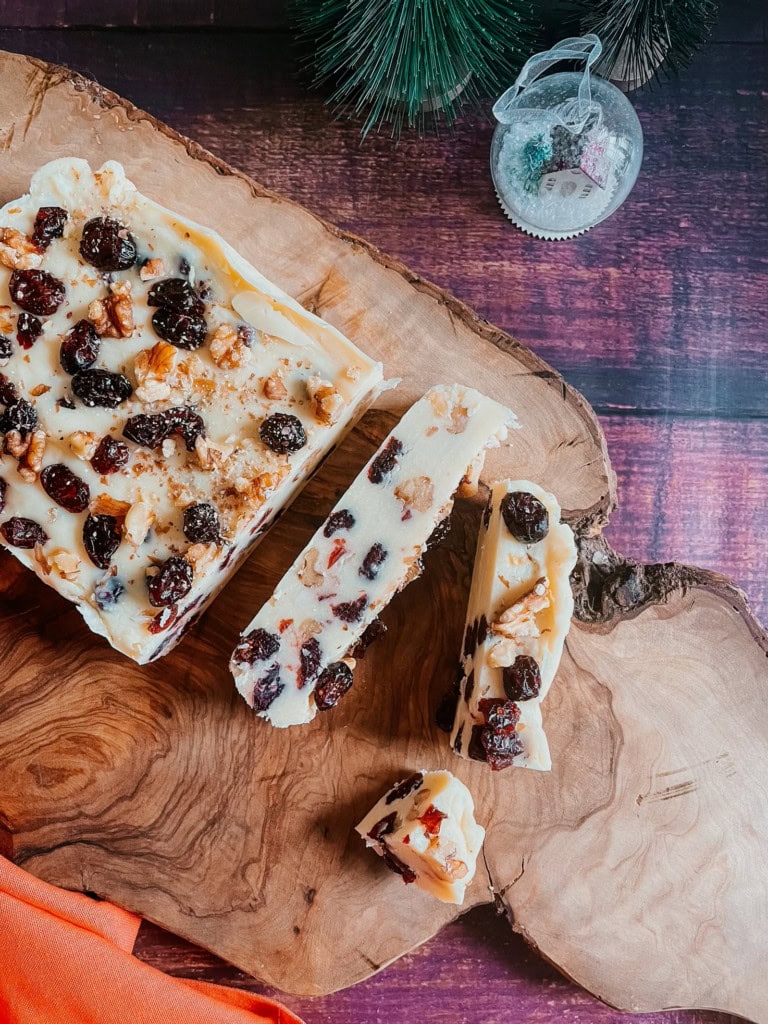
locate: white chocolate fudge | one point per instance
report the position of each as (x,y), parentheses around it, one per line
(290,661)
(160,402)
(425,830)
(520,608)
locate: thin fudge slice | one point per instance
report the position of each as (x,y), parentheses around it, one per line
(520,608)
(160,402)
(425,830)
(295,657)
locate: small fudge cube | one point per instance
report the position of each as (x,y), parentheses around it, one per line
(425,830)
(160,402)
(296,655)
(519,613)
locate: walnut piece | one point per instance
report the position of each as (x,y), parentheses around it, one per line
(227,348)
(469,482)
(210,455)
(153,368)
(17,252)
(6,320)
(308,573)
(83,444)
(327,402)
(152,269)
(200,556)
(106,505)
(32,461)
(518,624)
(138,521)
(459,420)
(66,563)
(417,493)
(273,386)
(39,389)
(112,316)
(15,444)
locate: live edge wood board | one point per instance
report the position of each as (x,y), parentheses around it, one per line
(637,866)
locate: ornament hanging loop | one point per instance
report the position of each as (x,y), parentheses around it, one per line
(573,114)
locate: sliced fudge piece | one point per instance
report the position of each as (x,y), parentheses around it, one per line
(520,608)
(296,656)
(425,830)
(160,401)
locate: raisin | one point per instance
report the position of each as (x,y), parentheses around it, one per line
(19,415)
(177,294)
(350,611)
(101,539)
(6,348)
(172,582)
(432,819)
(522,680)
(267,689)
(164,618)
(283,433)
(385,461)
(310,655)
(65,487)
(384,827)
(341,520)
(258,645)
(101,388)
(372,632)
(80,348)
(36,291)
(201,524)
(335,681)
(439,533)
(23,533)
(28,330)
(526,518)
(49,224)
(8,392)
(372,561)
(3,489)
(180,329)
(107,244)
(110,456)
(402,789)
(108,592)
(482,630)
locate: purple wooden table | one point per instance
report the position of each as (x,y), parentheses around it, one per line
(658,316)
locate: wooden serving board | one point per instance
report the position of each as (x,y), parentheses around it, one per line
(637,866)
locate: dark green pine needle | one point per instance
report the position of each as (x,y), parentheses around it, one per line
(645,38)
(412,63)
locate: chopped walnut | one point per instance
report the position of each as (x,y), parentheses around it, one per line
(417,493)
(138,522)
(113,316)
(210,455)
(153,368)
(17,252)
(455,868)
(459,420)
(352,373)
(42,559)
(168,447)
(307,572)
(439,403)
(326,401)
(15,444)
(39,389)
(227,347)
(518,624)
(273,386)
(6,320)
(469,482)
(66,563)
(106,505)
(152,269)
(32,461)
(200,556)
(83,444)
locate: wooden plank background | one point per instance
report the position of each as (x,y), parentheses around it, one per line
(658,316)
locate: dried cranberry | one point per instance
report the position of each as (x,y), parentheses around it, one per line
(80,348)
(350,611)
(110,456)
(372,561)
(19,415)
(395,864)
(6,348)
(3,489)
(469,686)
(476,749)
(431,819)
(499,737)
(36,291)
(187,423)
(482,630)
(147,430)
(101,539)
(446,709)
(470,639)
(65,487)
(439,533)
(108,592)
(258,645)
(402,789)
(23,533)
(201,524)
(283,433)
(8,392)
(341,520)
(101,388)
(267,689)
(526,517)
(334,682)
(310,656)
(172,582)
(384,827)
(181,329)
(522,680)
(385,461)
(372,632)
(49,224)
(177,294)
(164,618)
(28,330)
(107,244)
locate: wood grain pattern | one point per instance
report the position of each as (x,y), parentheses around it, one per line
(434,227)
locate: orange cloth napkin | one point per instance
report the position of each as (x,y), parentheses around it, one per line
(66,959)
